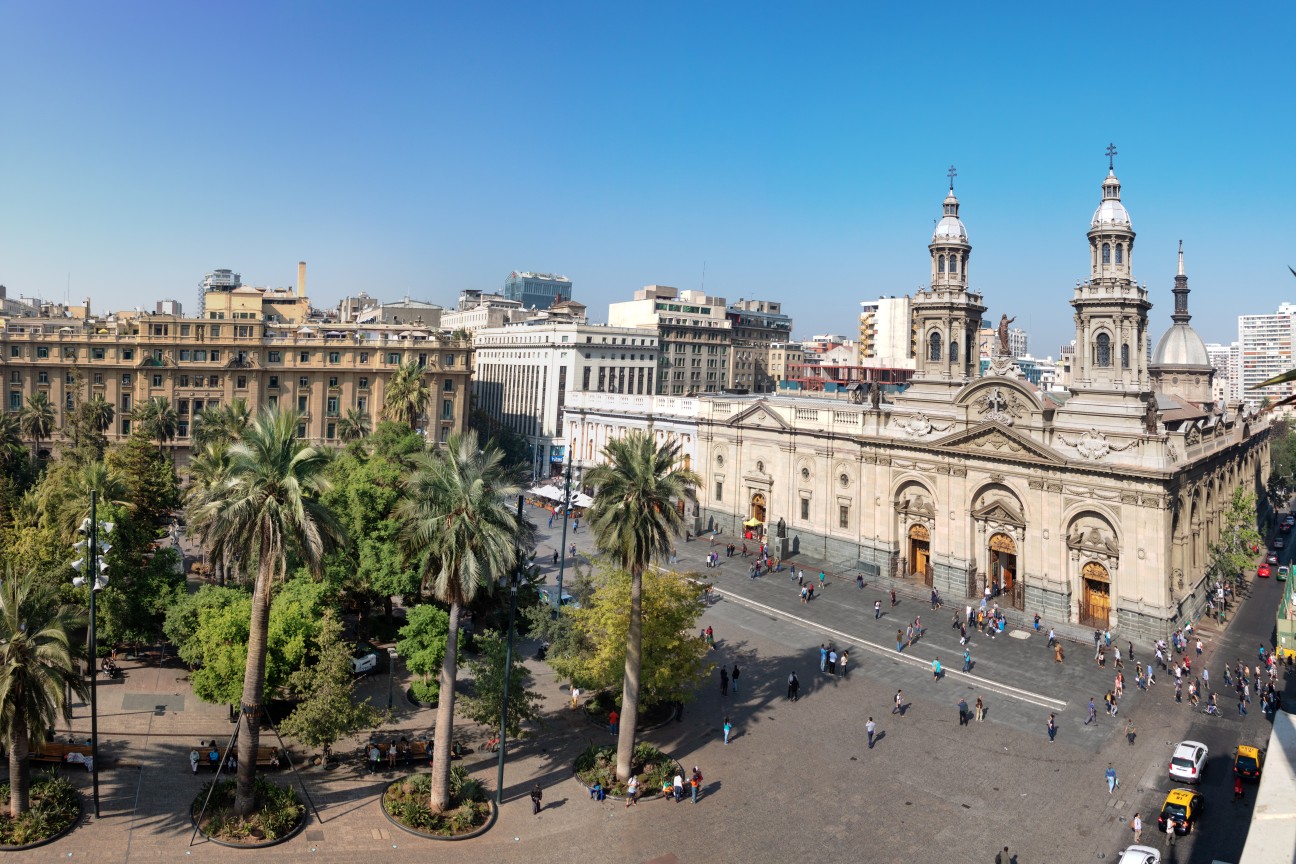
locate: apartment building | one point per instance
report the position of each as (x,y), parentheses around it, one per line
(523,375)
(783,356)
(1265,350)
(1225,360)
(886,333)
(695,335)
(236,351)
(757,324)
(477,310)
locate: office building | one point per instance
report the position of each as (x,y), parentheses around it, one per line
(592,420)
(1224,358)
(1265,350)
(537,290)
(477,310)
(1017,342)
(757,324)
(219,281)
(886,334)
(695,336)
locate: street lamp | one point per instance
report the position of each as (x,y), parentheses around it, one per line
(391,673)
(92,566)
(508,663)
(562,557)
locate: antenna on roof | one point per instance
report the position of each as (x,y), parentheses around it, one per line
(703,275)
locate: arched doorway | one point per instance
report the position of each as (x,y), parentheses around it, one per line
(758,507)
(919,550)
(1095,602)
(1003,569)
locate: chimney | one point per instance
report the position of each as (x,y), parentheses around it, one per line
(301,278)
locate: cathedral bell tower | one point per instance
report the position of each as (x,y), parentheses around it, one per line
(1110,307)
(946,315)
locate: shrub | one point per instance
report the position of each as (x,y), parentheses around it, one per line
(278,811)
(650,765)
(426,691)
(407,803)
(55,804)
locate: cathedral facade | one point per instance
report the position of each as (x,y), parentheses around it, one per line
(1095,506)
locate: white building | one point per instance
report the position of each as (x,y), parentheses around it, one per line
(523,375)
(1265,350)
(1225,360)
(696,336)
(1017,342)
(886,333)
(477,310)
(593,419)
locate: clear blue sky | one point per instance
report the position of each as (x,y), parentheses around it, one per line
(424,148)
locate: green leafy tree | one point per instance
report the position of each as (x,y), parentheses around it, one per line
(423,645)
(459,526)
(406,395)
(209,469)
(634,519)
(1232,554)
(36,667)
(486,701)
(37,420)
(268,508)
(152,488)
(674,655)
(329,709)
(355,425)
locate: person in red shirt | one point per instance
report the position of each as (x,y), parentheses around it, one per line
(612,721)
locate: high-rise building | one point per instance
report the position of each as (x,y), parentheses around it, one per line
(1265,345)
(696,335)
(523,372)
(886,333)
(1017,342)
(537,290)
(757,324)
(216,280)
(1225,360)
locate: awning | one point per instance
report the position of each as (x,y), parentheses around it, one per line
(551,492)
(582,500)
(752,523)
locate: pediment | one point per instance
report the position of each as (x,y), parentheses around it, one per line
(995,439)
(999,510)
(759,416)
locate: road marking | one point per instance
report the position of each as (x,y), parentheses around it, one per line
(985,683)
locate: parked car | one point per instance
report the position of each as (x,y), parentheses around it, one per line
(546,597)
(364,659)
(1263,571)
(1249,762)
(1182,809)
(1140,855)
(1189,761)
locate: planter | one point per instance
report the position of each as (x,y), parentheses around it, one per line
(468,834)
(409,697)
(223,799)
(650,765)
(57,835)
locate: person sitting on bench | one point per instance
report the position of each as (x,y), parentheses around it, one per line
(213,757)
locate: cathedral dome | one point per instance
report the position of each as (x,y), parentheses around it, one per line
(1111,211)
(1180,346)
(950,227)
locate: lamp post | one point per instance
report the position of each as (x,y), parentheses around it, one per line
(92,563)
(508,664)
(562,556)
(391,673)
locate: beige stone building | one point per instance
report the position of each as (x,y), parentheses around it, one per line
(254,344)
(1096,506)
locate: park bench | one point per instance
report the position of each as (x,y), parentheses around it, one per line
(54,751)
(264,757)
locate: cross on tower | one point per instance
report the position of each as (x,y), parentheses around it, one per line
(1111,151)
(952,174)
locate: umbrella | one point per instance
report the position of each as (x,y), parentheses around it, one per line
(752,523)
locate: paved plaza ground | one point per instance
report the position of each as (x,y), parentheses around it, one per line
(797,779)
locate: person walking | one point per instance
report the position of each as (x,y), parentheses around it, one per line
(1131,731)
(536,795)
(695,781)
(724,681)
(832,661)
(794,687)
(899,704)
(734,678)
(859,581)
(728,728)
(821,581)
(871,728)
(893,598)
(823,657)
(1093,713)
(1237,788)
(1003,857)
(963,711)
(632,790)
(980,710)
(612,722)
(967,660)
(899,640)
(1052,640)
(1112,780)
(1051,728)
(936,669)
(1137,825)
(877,609)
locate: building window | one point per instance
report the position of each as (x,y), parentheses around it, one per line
(954,351)
(1106,253)
(1120,253)
(184,329)
(333,381)
(940,266)
(126,378)
(42,377)
(215,329)
(185,356)
(301,404)
(934,347)
(274,382)
(335,356)
(393,359)
(184,380)
(447,409)
(125,402)
(422,360)
(182,407)
(363,383)
(15,377)
(719,490)
(1102,351)
(449,360)
(213,380)
(301,430)
(364,356)
(303,381)
(15,351)
(215,356)
(157,355)
(182,429)
(275,357)
(15,400)
(42,353)
(362,402)
(240,381)
(69,402)
(805,508)
(330,431)
(303,357)
(445,434)
(953,262)
(126,426)
(157,380)
(447,386)
(843,516)
(127,354)
(332,406)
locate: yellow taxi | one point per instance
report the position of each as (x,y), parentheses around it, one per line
(1248,762)
(1182,809)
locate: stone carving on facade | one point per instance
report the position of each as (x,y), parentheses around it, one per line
(918,425)
(916,508)
(1093,445)
(1194,436)
(1094,543)
(1004,366)
(1172,452)
(1150,416)
(995,405)
(997,442)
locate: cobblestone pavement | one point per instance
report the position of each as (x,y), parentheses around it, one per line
(797,778)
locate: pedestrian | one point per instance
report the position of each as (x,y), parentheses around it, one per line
(1112,780)
(1093,712)
(550,518)
(1130,652)
(936,669)
(877,609)
(893,598)
(963,711)
(678,787)
(1137,824)
(1199,647)
(841,663)
(805,594)
(728,727)
(1241,706)
(632,790)
(823,657)
(801,577)
(193,760)
(909,634)
(1058,656)
(859,580)
(536,795)
(1119,664)
(935,600)
(612,722)
(899,704)
(1151,679)
(695,781)
(980,710)
(967,660)
(1052,638)
(871,728)
(734,678)
(555,558)
(821,580)
(794,687)
(1051,727)
(899,640)
(1131,731)
(724,681)
(1205,678)
(1237,788)
(1037,622)
(576,525)
(832,661)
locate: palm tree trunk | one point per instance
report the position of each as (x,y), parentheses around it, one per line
(440,799)
(253,688)
(19,776)
(630,693)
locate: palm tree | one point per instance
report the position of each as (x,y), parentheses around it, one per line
(37,420)
(634,518)
(209,468)
(10,441)
(221,422)
(406,396)
(269,505)
(101,413)
(458,526)
(354,426)
(65,495)
(158,419)
(36,667)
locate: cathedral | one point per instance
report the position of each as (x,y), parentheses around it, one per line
(1095,505)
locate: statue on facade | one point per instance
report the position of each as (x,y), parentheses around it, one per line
(1150,416)
(1004,321)
(875,395)
(782,529)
